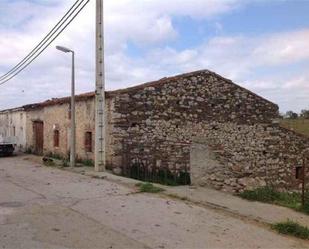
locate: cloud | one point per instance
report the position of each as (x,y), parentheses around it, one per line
(147,24)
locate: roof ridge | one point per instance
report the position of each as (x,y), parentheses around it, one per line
(154,83)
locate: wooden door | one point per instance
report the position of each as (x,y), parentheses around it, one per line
(38,130)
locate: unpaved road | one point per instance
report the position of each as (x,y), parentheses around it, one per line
(43,207)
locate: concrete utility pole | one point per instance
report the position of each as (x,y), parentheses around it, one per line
(100,91)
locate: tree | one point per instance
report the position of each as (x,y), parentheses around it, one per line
(304,114)
(291,115)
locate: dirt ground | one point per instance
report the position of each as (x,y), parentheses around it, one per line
(43,207)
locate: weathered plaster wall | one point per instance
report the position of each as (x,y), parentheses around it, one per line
(13,127)
(56,117)
(31,116)
(4,124)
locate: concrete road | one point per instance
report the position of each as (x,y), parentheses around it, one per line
(44,207)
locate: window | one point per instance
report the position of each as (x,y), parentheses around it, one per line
(14,131)
(69,112)
(299,172)
(56,138)
(88,141)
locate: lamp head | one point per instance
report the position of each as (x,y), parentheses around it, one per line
(64,49)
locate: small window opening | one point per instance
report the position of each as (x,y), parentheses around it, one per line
(88,141)
(299,172)
(56,138)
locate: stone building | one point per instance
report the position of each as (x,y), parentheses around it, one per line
(197,127)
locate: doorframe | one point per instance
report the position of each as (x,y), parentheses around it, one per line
(37,150)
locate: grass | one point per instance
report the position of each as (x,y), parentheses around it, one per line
(299,125)
(65,163)
(292,228)
(49,163)
(55,156)
(269,195)
(86,162)
(148,188)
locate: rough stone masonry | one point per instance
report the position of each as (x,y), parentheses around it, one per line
(162,124)
(197,124)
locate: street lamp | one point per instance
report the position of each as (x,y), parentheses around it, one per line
(73,126)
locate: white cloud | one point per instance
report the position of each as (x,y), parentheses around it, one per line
(147,23)
(23,23)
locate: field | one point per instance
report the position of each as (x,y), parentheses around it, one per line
(298,125)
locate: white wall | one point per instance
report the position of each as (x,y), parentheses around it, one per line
(13,127)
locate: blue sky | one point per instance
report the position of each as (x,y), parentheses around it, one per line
(261,45)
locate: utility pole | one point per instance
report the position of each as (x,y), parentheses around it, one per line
(100,91)
(304,171)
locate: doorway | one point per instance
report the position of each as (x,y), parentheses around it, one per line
(38,131)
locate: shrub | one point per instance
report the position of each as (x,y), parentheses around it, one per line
(269,195)
(292,228)
(86,162)
(148,188)
(265,194)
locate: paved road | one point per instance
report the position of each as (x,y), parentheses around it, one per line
(44,207)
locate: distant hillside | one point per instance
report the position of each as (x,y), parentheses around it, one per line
(299,125)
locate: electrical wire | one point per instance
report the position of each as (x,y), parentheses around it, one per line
(50,33)
(25,62)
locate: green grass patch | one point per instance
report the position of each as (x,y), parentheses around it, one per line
(65,163)
(269,195)
(49,163)
(149,188)
(86,162)
(54,156)
(299,125)
(292,228)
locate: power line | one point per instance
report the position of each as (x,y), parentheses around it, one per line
(41,43)
(24,65)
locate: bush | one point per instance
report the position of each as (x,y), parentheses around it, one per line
(86,162)
(292,228)
(269,195)
(65,163)
(264,194)
(148,188)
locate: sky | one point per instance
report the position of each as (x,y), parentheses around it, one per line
(262,45)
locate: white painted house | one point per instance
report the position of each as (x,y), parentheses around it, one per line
(13,127)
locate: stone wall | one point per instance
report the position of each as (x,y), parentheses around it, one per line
(246,156)
(197,123)
(157,123)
